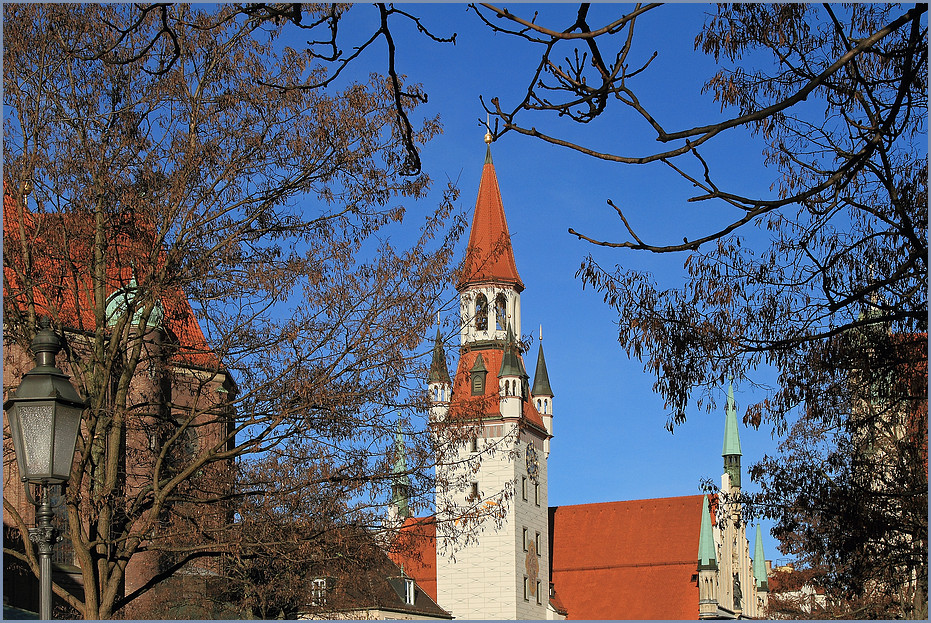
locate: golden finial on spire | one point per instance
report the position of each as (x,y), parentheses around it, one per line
(488,137)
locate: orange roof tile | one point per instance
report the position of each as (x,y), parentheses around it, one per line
(62,291)
(466,406)
(489,256)
(627,560)
(612,560)
(414,550)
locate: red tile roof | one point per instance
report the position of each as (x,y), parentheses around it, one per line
(64,293)
(489,256)
(466,406)
(627,560)
(414,551)
(611,560)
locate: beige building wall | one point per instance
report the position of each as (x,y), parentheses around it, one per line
(484,578)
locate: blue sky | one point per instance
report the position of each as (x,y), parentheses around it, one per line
(610,439)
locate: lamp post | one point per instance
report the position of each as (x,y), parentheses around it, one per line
(44,414)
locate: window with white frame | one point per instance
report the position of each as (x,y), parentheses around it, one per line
(409,591)
(318,592)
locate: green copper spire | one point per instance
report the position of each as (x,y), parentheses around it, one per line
(438,370)
(731,436)
(731,451)
(759,561)
(541,380)
(401,482)
(706,556)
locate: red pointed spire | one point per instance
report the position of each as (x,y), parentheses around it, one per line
(489,256)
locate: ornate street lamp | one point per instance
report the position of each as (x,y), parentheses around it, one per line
(44,414)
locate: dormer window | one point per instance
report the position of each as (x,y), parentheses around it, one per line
(481,313)
(478,373)
(501,306)
(409,591)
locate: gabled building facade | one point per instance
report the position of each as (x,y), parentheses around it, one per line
(671,558)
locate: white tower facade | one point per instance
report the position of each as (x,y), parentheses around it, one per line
(492,513)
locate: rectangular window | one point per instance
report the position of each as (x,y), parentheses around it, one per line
(536,494)
(473,494)
(409,592)
(318,592)
(536,542)
(473,444)
(524,539)
(526,588)
(539,597)
(523,487)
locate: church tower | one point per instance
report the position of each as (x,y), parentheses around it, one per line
(737,593)
(492,518)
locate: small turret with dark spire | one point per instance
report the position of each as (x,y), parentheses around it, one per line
(439,373)
(512,375)
(400,481)
(438,380)
(541,380)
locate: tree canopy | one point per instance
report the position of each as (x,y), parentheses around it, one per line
(172,169)
(823,279)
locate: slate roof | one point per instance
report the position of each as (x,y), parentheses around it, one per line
(382,588)
(64,289)
(489,256)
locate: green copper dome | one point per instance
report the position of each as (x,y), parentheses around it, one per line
(123,298)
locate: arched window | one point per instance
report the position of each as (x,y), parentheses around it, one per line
(501,312)
(481,313)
